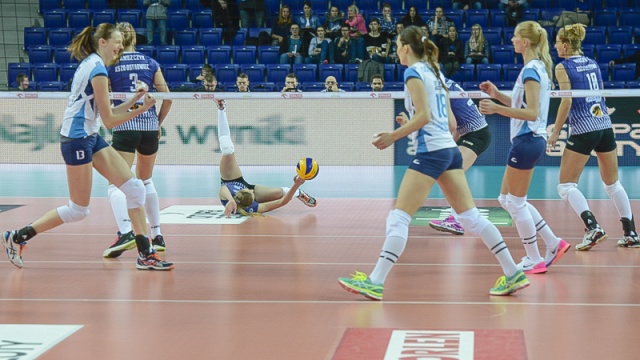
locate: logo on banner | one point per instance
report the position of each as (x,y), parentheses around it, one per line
(27,342)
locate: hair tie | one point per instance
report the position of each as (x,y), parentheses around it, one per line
(423,38)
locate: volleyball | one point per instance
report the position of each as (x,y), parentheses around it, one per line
(307,168)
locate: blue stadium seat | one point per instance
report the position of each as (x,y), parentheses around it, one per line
(178,19)
(531,15)
(312,86)
(60,36)
(210,36)
(630,17)
(608,52)
(420,5)
(132,16)
(97,4)
(202,19)
(616,3)
(335,70)
(229,87)
(34,37)
(243,54)
(351,72)
(55,18)
(194,71)
(193,54)
(445,4)
(148,50)
(471,85)
(363,86)
(104,16)
(273,6)
(589,50)
(605,17)
(604,71)
(547,14)
(277,72)
(62,56)
(614,84)
(493,35)
(79,19)
(75,4)
(240,37)
(633,84)
(193,5)
(389,74)
(167,54)
(185,37)
(15,69)
(511,71)
(226,73)
(319,6)
(40,54)
(256,72)
(175,4)
(467,72)
(480,17)
(620,34)
(254,32)
(220,54)
(46,5)
(306,72)
(464,34)
(186,86)
(490,72)
(268,54)
(45,72)
(400,72)
(541,4)
(67,71)
(502,54)
(175,72)
(346,86)
(504,85)
(51,86)
(508,34)
(498,18)
(457,16)
(623,72)
(595,35)
(394,86)
(629,49)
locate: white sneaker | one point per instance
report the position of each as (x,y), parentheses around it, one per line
(529,267)
(14,251)
(591,238)
(307,199)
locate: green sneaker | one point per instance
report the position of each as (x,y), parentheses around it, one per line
(359,283)
(507,286)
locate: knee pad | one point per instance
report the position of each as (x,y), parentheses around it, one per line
(226,145)
(133,189)
(517,207)
(564,189)
(72,212)
(398,224)
(472,221)
(149,187)
(613,188)
(502,199)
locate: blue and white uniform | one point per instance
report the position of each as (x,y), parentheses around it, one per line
(590,113)
(134,66)
(235,186)
(536,71)
(468,117)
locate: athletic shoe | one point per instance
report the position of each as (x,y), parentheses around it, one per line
(220,104)
(507,286)
(449,225)
(158,243)
(307,199)
(529,267)
(629,241)
(153,262)
(123,243)
(554,255)
(359,283)
(591,238)
(14,251)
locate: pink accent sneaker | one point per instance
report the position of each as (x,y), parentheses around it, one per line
(529,267)
(449,225)
(554,255)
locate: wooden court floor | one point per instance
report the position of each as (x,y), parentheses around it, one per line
(267,289)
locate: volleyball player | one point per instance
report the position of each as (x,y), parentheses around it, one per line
(528,140)
(139,135)
(236,194)
(589,130)
(83,148)
(437,159)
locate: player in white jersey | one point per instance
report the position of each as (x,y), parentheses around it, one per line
(437,159)
(589,130)
(528,142)
(139,136)
(84,149)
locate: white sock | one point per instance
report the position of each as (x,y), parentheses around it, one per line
(118,202)
(285,190)
(577,201)
(397,234)
(524,223)
(223,124)
(454,214)
(620,199)
(152,208)
(550,239)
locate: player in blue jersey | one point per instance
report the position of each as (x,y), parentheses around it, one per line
(437,159)
(140,136)
(528,108)
(84,149)
(236,194)
(589,130)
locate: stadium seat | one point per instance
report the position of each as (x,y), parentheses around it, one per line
(623,72)
(40,54)
(226,73)
(15,69)
(67,71)
(511,71)
(351,72)
(175,4)
(55,18)
(273,6)
(45,72)
(456,16)
(306,72)
(255,72)
(589,50)
(193,5)
(229,87)
(629,49)
(346,86)
(210,36)
(62,56)
(263,87)
(490,72)
(614,84)
(194,71)
(547,14)
(240,37)
(604,71)
(220,54)
(79,19)
(193,54)
(175,72)
(268,54)
(480,17)
(312,86)
(617,3)
(389,73)
(178,20)
(104,16)
(467,72)
(148,50)
(51,86)
(254,32)
(75,4)
(504,85)
(502,54)
(46,5)
(185,37)
(363,86)
(184,86)
(335,70)
(420,5)
(464,34)
(60,36)
(595,35)
(508,34)
(605,17)
(202,19)
(34,37)
(620,34)
(493,35)
(633,84)
(541,4)
(630,17)
(132,16)
(498,18)
(608,52)
(400,72)
(394,86)
(167,54)
(530,15)
(97,4)
(277,72)
(243,54)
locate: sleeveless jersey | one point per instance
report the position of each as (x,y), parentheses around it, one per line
(435,135)
(590,113)
(234,187)
(134,66)
(534,70)
(468,118)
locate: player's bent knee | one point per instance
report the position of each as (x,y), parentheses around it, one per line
(226,145)
(134,190)
(472,222)
(398,223)
(517,207)
(502,199)
(565,188)
(72,212)
(613,188)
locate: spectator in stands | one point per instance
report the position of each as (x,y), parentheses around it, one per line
(514,10)
(387,22)
(335,19)
(156,17)
(206,69)
(331,85)
(392,58)
(451,52)
(291,47)
(377,43)
(23,82)
(291,83)
(438,25)
(465,4)
(343,44)
(377,82)
(242,82)
(252,12)
(412,18)
(307,21)
(321,49)
(476,50)
(280,31)
(633,58)
(357,28)
(225,16)
(209,83)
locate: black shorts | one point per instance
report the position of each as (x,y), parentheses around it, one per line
(144,142)
(241,180)
(601,141)
(477,141)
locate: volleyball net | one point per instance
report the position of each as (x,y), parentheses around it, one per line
(280,128)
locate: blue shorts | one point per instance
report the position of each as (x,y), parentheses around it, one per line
(80,151)
(435,163)
(526,150)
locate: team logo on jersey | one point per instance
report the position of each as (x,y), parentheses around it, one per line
(596,110)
